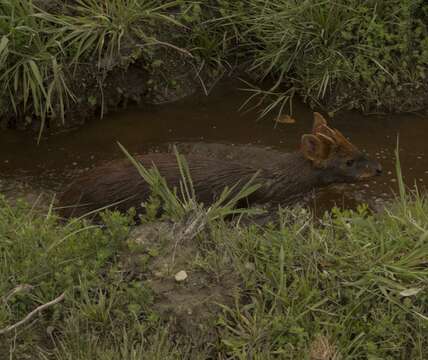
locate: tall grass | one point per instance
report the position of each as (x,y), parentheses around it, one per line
(30,59)
(358,282)
(338,54)
(213,37)
(100,28)
(37,48)
(182,202)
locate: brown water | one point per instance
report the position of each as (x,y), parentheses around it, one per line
(214,119)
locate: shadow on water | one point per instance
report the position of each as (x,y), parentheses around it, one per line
(215,119)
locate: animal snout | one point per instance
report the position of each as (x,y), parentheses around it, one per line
(370,168)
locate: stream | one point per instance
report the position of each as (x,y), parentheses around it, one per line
(27,169)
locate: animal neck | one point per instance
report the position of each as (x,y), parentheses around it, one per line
(291,177)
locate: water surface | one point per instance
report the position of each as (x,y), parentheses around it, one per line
(215,119)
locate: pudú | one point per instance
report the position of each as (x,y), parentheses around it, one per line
(325,157)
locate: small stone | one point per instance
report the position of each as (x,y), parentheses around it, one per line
(180,276)
(250,266)
(74,163)
(393,180)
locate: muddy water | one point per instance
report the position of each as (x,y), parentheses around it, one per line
(214,120)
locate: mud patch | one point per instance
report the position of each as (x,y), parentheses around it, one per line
(159,251)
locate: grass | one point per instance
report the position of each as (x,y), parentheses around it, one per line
(39,49)
(358,281)
(30,59)
(338,54)
(334,54)
(349,285)
(100,29)
(180,203)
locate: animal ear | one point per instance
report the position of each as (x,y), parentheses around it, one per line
(319,122)
(312,148)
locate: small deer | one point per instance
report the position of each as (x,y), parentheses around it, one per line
(325,157)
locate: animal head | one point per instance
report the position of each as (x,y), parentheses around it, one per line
(330,151)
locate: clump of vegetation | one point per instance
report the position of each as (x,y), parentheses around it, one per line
(41,52)
(349,285)
(364,55)
(335,54)
(31,63)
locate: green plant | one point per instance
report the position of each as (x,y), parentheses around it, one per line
(103,29)
(32,75)
(37,48)
(179,203)
(338,54)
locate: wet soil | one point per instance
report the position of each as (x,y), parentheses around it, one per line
(214,126)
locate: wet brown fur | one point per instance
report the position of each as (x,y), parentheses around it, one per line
(293,175)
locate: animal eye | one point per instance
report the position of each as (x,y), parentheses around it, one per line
(350,162)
